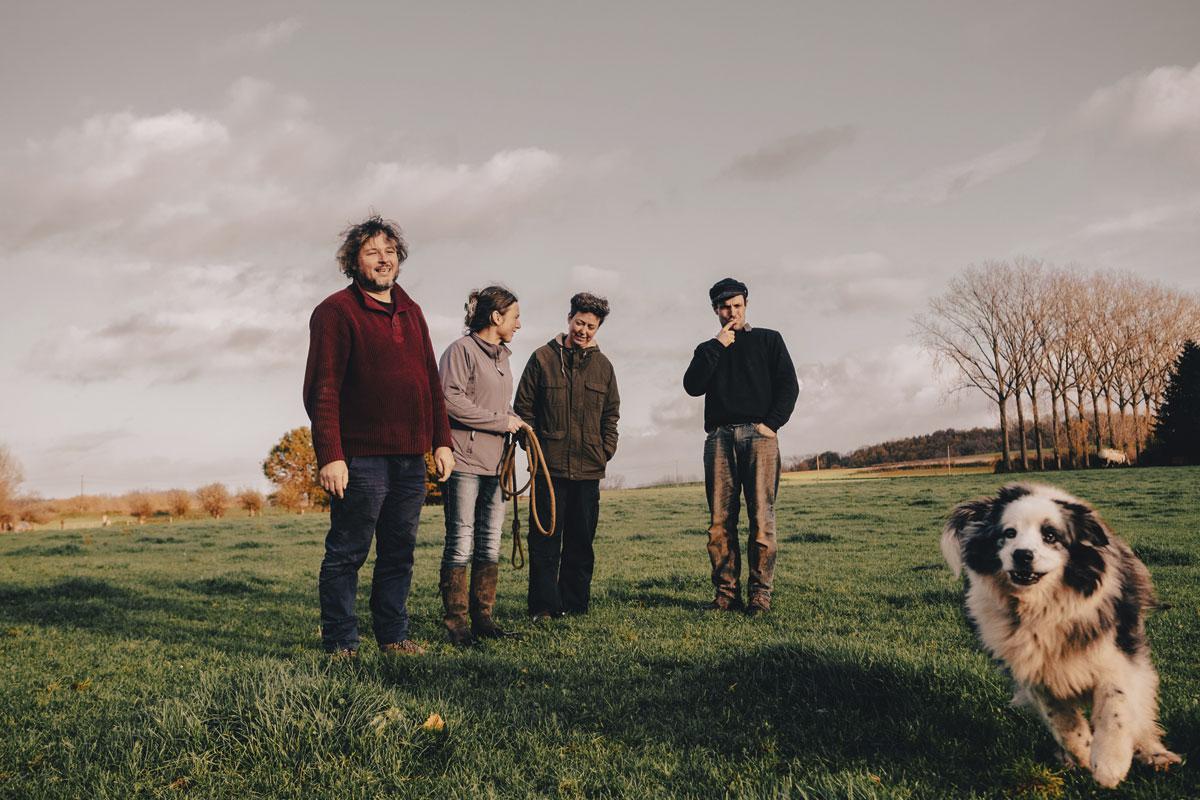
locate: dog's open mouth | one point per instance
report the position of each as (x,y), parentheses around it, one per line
(1025,578)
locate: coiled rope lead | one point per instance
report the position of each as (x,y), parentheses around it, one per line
(527,440)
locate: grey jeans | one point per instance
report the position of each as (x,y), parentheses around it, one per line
(738,460)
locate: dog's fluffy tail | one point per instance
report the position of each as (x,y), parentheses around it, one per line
(952,547)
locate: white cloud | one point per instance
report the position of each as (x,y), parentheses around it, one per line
(595,279)
(259,40)
(1151,218)
(855,282)
(1152,107)
(202,214)
(791,154)
(867,397)
(460,201)
(940,184)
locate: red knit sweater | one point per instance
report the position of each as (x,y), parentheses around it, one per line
(371,386)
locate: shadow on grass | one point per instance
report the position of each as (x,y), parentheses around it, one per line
(848,708)
(100,607)
(673,591)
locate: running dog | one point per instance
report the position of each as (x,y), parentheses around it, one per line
(1060,600)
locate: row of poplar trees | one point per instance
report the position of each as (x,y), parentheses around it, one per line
(1091,350)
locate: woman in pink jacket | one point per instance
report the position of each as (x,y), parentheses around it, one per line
(478,385)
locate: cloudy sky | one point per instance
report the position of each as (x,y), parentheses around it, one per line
(175,176)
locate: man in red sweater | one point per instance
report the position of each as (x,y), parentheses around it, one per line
(373,394)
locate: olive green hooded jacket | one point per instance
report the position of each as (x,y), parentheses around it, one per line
(569,397)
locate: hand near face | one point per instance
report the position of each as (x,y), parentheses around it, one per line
(727,336)
(334,478)
(443,459)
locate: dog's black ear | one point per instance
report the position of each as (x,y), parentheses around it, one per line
(958,535)
(1085,565)
(972,512)
(1011,492)
(1085,526)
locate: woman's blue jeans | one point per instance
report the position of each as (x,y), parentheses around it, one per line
(474,519)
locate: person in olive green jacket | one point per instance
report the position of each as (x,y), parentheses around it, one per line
(568,395)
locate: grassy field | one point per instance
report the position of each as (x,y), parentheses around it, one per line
(184,662)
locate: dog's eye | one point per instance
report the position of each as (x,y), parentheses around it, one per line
(1010,533)
(1049,535)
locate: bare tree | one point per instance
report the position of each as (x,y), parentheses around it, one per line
(1019,312)
(963,330)
(214,499)
(1053,333)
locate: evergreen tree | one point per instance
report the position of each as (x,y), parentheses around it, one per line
(1177,430)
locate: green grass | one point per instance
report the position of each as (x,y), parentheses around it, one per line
(185,663)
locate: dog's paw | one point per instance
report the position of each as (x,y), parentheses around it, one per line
(1109,774)
(1022,698)
(1161,759)
(1067,760)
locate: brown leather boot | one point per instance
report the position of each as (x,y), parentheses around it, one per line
(454,604)
(483,600)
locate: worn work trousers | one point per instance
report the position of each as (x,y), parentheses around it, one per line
(738,460)
(560,566)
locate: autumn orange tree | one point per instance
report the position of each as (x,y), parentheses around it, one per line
(10,478)
(179,502)
(140,505)
(214,499)
(292,467)
(251,501)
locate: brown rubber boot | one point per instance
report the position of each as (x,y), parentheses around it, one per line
(483,600)
(454,604)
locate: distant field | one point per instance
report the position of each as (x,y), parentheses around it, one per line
(183,661)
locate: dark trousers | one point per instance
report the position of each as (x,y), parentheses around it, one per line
(738,460)
(560,566)
(383,500)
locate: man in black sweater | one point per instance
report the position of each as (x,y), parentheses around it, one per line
(749,387)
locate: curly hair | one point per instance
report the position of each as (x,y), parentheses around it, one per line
(588,303)
(355,236)
(482,302)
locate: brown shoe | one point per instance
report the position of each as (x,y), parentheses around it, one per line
(758,606)
(723,603)
(405,648)
(483,601)
(454,604)
(344,654)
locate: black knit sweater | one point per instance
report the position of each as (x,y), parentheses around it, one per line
(751,380)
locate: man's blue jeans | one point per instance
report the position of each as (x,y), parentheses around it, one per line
(474,519)
(383,500)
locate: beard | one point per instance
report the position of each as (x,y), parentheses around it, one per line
(373,284)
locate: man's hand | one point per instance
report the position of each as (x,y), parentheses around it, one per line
(727,335)
(763,430)
(334,477)
(515,424)
(443,459)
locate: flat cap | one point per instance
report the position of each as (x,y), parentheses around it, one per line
(727,288)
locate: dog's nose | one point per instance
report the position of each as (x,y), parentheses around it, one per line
(1023,558)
